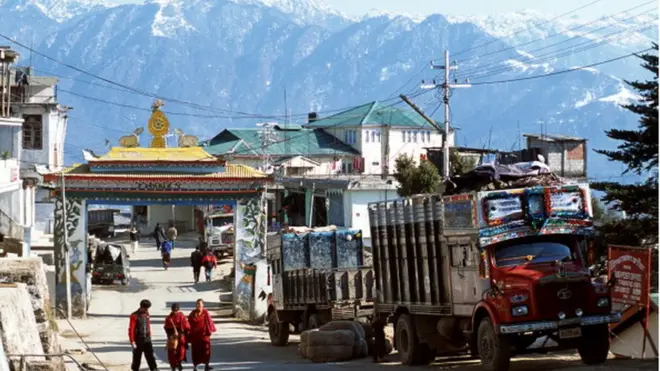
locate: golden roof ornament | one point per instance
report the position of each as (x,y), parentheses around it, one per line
(158,125)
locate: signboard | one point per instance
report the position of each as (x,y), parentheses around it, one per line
(500,209)
(459,214)
(566,203)
(631,269)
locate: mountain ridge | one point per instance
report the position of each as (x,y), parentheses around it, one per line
(241,55)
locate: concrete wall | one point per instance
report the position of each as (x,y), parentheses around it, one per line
(19,325)
(565,158)
(356,211)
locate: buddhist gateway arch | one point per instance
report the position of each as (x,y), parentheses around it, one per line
(183,175)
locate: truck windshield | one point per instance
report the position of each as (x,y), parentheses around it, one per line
(533,252)
(219,222)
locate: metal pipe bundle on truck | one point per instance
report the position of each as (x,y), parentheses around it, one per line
(318,276)
(489,273)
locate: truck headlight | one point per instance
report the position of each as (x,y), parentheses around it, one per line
(518,298)
(520,310)
(602,302)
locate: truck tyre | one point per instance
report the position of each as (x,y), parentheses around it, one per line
(595,344)
(279,333)
(494,350)
(410,350)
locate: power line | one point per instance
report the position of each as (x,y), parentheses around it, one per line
(555,34)
(560,72)
(551,56)
(484,69)
(527,28)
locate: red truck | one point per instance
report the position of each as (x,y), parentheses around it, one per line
(489,273)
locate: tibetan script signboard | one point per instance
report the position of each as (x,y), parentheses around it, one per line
(631,269)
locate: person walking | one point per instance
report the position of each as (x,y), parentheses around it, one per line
(201,328)
(134,237)
(172,233)
(159,235)
(165,253)
(209,262)
(176,327)
(196,263)
(139,334)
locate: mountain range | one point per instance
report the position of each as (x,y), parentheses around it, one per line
(233,63)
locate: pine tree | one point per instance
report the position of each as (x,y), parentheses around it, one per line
(639,152)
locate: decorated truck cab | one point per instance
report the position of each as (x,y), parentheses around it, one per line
(490,273)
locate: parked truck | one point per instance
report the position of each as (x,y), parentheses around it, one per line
(317,277)
(101,222)
(488,273)
(219,233)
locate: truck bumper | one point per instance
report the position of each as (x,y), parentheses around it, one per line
(554,325)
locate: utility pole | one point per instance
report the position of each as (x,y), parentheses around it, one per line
(268,137)
(67,252)
(446,86)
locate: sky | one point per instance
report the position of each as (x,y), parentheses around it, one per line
(470,7)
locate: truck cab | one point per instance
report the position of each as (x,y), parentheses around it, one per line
(219,233)
(490,272)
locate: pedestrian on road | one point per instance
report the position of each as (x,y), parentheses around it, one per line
(209,262)
(159,235)
(139,334)
(134,237)
(378,327)
(201,328)
(172,234)
(165,251)
(196,263)
(176,327)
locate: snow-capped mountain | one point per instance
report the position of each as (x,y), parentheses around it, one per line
(237,57)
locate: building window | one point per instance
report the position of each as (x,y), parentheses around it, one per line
(32,132)
(373,136)
(403,136)
(366,136)
(428,136)
(346,168)
(415,137)
(378,136)
(350,136)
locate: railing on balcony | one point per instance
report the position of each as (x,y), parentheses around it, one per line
(9,228)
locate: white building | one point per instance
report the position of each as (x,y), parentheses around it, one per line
(44,131)
(12,205)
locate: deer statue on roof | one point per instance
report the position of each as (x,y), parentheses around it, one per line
(186,140)
(131,141)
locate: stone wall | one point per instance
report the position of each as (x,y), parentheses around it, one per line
(18,323)
(31,272)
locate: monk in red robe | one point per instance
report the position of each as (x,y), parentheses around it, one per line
(176,327)
(201,328)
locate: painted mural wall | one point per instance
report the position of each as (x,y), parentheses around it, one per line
(76,229)
(250,234)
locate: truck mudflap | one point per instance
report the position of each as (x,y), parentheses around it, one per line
(554,325)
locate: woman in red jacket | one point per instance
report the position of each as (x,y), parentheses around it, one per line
(201,328)
(176,327)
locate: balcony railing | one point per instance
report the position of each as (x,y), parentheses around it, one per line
(10,228)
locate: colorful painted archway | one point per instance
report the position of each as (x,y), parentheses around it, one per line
(177,176)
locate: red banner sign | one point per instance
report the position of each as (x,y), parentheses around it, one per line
(631,269)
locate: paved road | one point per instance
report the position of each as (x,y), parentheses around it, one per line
(236,346)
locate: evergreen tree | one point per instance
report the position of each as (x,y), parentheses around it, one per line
(415,179)
(639,152)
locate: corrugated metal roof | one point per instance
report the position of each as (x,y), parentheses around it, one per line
(373,114)
(554,137)
(190,154)
(306,142)
(231,171)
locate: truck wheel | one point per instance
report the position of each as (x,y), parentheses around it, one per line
(595,344)
(279,333)
(494,350)
(410,350)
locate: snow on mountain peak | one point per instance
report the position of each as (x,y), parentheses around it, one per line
(59,10)
(306,11)
(169,20)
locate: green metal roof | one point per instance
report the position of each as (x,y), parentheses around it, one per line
(289,141)
(373,114)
